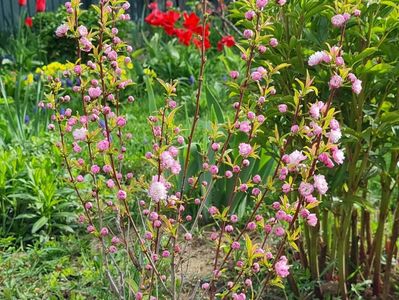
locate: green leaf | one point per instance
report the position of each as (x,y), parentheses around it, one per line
(213,102)
(64,227)
(152,104)
(25,216)
(365,53)
(39,224)
(391,117)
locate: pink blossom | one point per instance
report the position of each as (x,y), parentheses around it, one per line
(294,128)
(121,195)
(86,44)
(356,13)
(251,115)
(276,205)
(214,169)
(338,21)
(249,15)
(110,183)
(339,61)
(338,156)
(248,33)
(245,149)
(94,92)
(312,219)
(282,108)
(240,296)
(352,77)
(180,139)
(320,184)
(305,188)
(262,49)
(316,58)
(235,245)
(62,30)
(120,121)
(335,82)
(251,226)
(80,134)
(229,228)
(256,76)
(82,30)
(294,159)
(148,235)
(304,213)
(205,286)
(157,191)
(95,169)
(213,210)
(314,111)
(103,145)
(234,74)
(334,135)
(234,218)
(279,231)
(357,86)
(188,236)
(326,160)
(281,267)
(334,124)
(245,126)
(261,3)
(90,229)
(104,231)
(256,179)
(280,215)
(112,55)
(261,118)
(88,205)
(286,188)
(273,42)
(346,16)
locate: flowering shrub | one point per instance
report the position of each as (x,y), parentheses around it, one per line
(250,253)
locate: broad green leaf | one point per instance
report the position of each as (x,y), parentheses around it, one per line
(39,224)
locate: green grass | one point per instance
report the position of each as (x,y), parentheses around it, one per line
(58,269)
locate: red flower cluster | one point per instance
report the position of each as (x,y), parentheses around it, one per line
(191,30)
(22,2)
(227,41)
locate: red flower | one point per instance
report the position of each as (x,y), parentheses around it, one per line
(191,22)
(184,36)
(155,18)
(22,2)
(169,4)
(169,21)
(28,22)
(227,41)
(166,20)
(40,5)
